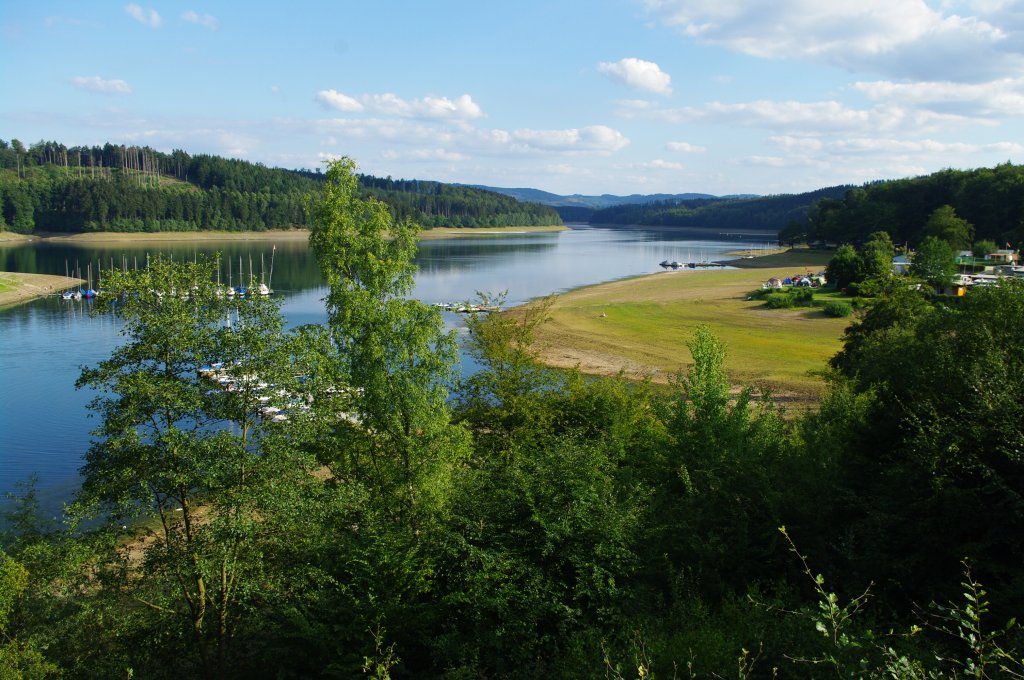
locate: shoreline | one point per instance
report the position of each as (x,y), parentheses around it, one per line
(26,287)
(10,238)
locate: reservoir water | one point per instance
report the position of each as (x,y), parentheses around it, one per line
(44,420)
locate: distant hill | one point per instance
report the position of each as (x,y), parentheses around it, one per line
(761,213)
(583,201)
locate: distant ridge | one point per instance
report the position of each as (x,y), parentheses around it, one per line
(594,202)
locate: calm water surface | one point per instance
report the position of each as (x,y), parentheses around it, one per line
(44,420)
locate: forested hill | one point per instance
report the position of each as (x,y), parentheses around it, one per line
(51,187)
(769,213)
(990,199)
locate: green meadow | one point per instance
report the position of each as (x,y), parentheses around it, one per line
(643,325)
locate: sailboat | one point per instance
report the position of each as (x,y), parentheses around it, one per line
(89,292)
(69,294)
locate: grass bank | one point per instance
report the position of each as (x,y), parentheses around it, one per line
(16,287)
(641,326)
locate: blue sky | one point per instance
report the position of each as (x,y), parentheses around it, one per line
(597,96)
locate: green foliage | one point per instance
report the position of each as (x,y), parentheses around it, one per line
(934,261)
(845,267)
(131,189)
(944,225)
(197,457)
(877,255)
(390,350)
(988,198)
(771,213)
(983,247)
(837,308)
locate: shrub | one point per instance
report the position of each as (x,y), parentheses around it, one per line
(779,301)
(802,297)
(837,308)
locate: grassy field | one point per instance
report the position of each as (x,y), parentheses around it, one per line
(641,326)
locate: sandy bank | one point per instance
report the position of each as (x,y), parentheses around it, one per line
(270,235)
(16,287)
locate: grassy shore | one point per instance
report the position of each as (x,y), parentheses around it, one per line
(16,287)
(641,326)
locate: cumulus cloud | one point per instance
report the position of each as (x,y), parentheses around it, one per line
(204,20)
(638,74)
(333,99)
(685,147)
(436,108)
(97,84)
(900,38)
(1003,97)
(148,17)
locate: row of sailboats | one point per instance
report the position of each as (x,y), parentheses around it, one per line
(261,288)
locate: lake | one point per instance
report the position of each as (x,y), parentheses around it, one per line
(44,420)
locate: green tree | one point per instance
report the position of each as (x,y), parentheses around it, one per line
(18,658)
(196,456)
(983,247)
(845,267)
(935,262)
(877,254)
(392,351)
(931,457)
(944,224)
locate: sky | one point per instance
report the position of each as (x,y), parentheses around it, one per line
(576,96)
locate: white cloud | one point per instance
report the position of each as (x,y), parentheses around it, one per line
(901,38)
(888,147)
(97,84)
(1004,97)
(148,17)
(204,20)
(591,138)
(791,143)
(424,155)
(802,117)
(637,73)
(658,164)
(685,147)
(338,101)
(436,108)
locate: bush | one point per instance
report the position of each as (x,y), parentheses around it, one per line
(837,308)
(802,297)
(779,301)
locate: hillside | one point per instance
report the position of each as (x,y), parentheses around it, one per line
(52,187)
(584,201)
(990,199)
(767,213)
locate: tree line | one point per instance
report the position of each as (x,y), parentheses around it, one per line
(769,213)
(991,200)
(520,522)
(49,186)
